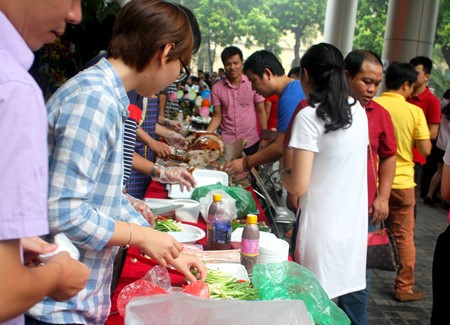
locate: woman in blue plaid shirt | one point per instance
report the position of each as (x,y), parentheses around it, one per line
(152,42)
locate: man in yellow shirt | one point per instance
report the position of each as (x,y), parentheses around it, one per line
(411,130)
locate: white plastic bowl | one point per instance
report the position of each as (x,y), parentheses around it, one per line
(188,212)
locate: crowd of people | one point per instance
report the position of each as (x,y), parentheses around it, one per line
(93,146)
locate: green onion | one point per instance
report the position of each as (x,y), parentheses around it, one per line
(224,286)
(166,225)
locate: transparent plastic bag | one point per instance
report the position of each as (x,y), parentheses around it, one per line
(184,309)
(228,201)
(289,280)
(155,282)
(245,203)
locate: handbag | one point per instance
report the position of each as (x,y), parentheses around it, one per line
(382,253)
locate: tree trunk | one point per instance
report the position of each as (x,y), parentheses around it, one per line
(445,49)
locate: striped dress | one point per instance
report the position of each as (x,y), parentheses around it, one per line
(137,182)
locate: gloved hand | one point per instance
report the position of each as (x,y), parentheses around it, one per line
(173,125)
(175,175)
(142,207)
(176,140)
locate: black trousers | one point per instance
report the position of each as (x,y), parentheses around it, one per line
(441,280)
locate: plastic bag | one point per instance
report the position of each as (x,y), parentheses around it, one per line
(245,203)
(206,201)
(289,280)
(157,282)
(184,309)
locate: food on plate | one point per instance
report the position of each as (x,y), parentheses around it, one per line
(167,224)
(222,285)
(204,150)
(211,143)
(197,158)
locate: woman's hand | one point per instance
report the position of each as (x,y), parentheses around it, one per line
(160,246)
(186,262)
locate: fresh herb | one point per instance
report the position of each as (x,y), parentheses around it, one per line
(167,224)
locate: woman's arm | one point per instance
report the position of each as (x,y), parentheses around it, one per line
(297,179)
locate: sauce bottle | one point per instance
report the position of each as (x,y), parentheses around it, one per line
(218,229)
(250,244)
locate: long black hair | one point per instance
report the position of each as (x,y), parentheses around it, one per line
(325,66)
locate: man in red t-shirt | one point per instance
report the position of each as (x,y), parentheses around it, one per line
(430,104)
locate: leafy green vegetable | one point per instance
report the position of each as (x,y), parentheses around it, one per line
(224,286)
(168,224)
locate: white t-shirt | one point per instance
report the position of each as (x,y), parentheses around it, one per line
(444,133)
(332,235)
(447,154)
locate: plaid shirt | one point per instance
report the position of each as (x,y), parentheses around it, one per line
(85,140)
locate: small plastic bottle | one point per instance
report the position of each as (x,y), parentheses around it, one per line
(218,229)
(180,116)
(250,244)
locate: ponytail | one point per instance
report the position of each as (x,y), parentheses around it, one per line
(325,65)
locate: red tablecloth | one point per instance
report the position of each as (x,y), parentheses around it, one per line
(136,265)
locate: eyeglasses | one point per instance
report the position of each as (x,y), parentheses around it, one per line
(183,73)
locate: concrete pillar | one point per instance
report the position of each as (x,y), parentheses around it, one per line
(340,24)
(410,29)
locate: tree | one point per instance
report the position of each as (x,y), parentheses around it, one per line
(304,18)
(221,23)
(370,25)
(443,30)
(262,29)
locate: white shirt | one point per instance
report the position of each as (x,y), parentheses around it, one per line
(332,235)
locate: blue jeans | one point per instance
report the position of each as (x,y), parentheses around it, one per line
(354,304)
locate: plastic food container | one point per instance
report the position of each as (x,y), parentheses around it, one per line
(188,212)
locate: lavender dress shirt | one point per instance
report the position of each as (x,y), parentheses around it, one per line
(23,138)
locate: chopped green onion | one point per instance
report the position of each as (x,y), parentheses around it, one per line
(166,225)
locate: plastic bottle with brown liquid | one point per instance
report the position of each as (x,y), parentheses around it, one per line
(250,244)
(218,229)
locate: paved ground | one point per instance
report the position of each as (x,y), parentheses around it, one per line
(383,309)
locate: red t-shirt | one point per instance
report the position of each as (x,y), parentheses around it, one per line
(382,141)
(273,116)
(431,107)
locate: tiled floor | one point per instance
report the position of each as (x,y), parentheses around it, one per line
(383,309)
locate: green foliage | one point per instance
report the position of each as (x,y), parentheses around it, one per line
(370,25)
(439,80)
(257,22)
(443,29)
(304,18)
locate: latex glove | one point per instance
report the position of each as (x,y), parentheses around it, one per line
(176,175)
(142,208)
(173,125)
(176,140)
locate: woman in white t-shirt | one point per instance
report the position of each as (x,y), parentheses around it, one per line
(329,142)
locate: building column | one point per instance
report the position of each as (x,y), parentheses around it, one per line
(410,29)
(340,23)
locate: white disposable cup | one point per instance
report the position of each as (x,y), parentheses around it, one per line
(188,212)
